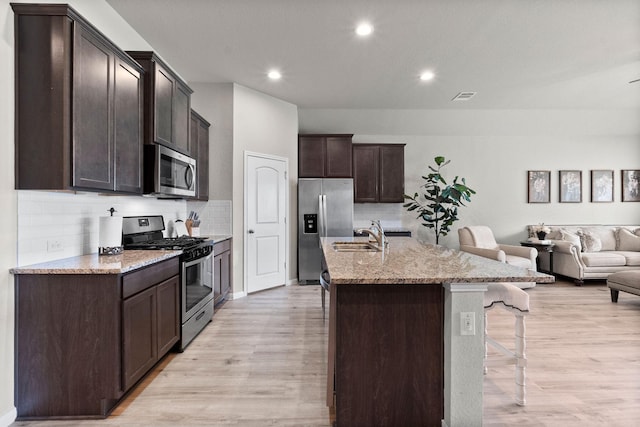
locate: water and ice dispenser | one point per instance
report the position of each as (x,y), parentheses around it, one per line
(311,223)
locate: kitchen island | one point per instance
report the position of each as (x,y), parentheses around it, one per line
(396,352)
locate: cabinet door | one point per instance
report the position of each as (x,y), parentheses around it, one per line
(181,118)
(391,174)
(163,126)
(338,157)
(93,151)
(203,161)
(365,173)
(168,299)
(127,127)
(140,336)
(225,273)
(311,155)
(217,278)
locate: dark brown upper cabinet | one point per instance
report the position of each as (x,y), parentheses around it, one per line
(167,104)
(378,173)
(78,105)
(324,156)
(200,151)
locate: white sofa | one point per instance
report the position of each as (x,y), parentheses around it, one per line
(585,252)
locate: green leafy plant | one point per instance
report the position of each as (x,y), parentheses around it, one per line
(439,203)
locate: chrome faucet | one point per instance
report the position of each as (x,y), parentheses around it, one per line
(376,231)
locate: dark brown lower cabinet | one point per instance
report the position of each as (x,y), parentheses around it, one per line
(140,335)
(222,270)
(386,354)
(83,340)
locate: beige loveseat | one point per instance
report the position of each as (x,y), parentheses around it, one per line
(585,252)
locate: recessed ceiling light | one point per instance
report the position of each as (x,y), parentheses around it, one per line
(427,75)
(274,75)
(364,29)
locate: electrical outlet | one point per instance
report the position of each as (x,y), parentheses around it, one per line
(467,323)
(54,245)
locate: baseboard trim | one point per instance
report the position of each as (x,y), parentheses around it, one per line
(237,295)
(7,419)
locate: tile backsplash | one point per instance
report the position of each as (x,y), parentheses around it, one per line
(55,225)
(389,214)
(215,216)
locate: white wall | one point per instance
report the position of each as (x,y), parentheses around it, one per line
(493,150)
(267,125)
(214,102)
(8,227)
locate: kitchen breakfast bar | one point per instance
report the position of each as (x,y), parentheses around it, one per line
(396,352)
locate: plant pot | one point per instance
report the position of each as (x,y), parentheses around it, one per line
(541,235)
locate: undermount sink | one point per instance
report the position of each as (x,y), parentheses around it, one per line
(355,247)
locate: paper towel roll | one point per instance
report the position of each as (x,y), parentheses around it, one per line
(110,235)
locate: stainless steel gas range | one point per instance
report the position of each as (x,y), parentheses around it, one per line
(196,269)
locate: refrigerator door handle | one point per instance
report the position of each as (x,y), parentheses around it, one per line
(320,220)
(324,216)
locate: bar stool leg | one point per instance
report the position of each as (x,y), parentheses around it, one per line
(486,344)
(521,360)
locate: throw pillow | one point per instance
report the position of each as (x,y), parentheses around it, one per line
(571,238)
(628,241)
(590,241)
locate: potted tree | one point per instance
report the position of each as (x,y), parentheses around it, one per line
(438,204)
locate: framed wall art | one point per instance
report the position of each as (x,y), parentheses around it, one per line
(601,186)
(630,185)
(570,186)
(539,186)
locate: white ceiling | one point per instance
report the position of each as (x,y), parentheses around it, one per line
(515,54)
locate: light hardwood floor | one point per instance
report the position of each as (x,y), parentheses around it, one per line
(262,362)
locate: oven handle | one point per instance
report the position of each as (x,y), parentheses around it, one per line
(195,261)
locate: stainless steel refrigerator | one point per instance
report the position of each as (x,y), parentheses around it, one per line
(325,209)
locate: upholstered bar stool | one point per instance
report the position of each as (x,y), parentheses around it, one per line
(516,301)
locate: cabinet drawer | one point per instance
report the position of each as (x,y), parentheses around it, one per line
(144,278)
(223,246)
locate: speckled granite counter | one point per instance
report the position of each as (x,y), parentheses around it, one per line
(98,264)
(407,261)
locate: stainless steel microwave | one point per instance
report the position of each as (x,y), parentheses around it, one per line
(168,172)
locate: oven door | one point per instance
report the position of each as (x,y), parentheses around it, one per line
(197,285)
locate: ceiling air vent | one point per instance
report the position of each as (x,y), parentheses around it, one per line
(464,96)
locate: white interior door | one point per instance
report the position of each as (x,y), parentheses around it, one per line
(266,221)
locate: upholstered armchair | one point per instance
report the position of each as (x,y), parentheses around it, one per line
(479,240)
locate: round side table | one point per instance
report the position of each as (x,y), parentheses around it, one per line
(541,247)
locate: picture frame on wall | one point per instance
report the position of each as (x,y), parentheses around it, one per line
(631,185)
(602,186)
(538,186)
(570,186)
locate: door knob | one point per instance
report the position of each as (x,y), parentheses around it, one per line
(251,231)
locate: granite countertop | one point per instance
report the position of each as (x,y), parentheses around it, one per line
(219,237)
(408,261)
(99,264)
